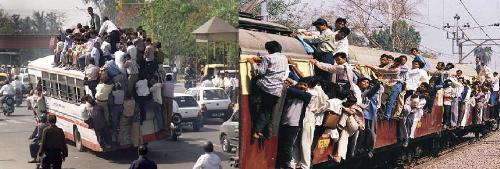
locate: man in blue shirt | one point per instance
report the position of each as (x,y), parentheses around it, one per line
(142,162)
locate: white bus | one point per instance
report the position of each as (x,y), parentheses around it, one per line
(64,89)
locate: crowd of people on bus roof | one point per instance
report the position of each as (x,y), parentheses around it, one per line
(123,69)
(346,101)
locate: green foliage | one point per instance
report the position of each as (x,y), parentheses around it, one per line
(38,23)
(401,37)
(484,53)
(107,7)
(172,21)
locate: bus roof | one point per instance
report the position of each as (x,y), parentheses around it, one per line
(44,64)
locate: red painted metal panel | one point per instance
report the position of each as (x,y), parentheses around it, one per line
(252,155)
(27,41)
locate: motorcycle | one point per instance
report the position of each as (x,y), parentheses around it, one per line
(189,83)
(18,98)
(8,105)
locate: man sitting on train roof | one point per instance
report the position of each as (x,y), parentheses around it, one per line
(273,72)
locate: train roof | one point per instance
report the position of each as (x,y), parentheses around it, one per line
(45,64)
(253,34)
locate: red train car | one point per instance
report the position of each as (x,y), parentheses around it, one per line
(252,155)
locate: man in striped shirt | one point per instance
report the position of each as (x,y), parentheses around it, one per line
(272,71)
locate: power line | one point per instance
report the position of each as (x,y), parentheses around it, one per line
(369,15)
(480,27)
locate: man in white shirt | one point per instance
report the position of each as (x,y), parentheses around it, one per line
(228,86)
(207,82)
(7,90)
(132,50)
(142,91)
(120,58)
(174,70)
(494,97)
(236,86)
(219,81)
(209,160)
(157,102)
(96,54)
(112,31)
(106,47)
(18,85)
(341,43)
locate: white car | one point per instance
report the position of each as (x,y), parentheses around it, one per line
(214,102)
(168,70)
(188,111)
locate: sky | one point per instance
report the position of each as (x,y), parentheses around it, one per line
(434,12)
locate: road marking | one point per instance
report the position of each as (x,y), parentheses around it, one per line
(13,121)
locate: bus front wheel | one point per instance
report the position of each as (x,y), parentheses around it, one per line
(78,140)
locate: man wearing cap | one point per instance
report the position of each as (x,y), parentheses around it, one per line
(324,46)
(53,148)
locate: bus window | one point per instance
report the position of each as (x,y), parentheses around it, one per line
(71,90)
(63,88)
(53,88)
(80,92)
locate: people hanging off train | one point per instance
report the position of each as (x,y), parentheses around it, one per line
(342,75)
(419,57)
(142,91)
(324,46)
(296,102)
(413,112)
(313,113)
(341,32)
(350,122)
(132,71)
(371,97)
(393,86)
(116,107)
(494,105)
(416,76)
(272,70)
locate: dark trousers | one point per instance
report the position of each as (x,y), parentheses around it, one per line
(92,85)
(81,62)
(116,112)
(408,94)
(57,58)
(325,57)
(103,136)
(286,139)
(266,109)
(114,38)
(34,147)
(52,160)
(142,100)
(447,115)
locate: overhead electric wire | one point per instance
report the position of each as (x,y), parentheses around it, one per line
(369,14)
(474,19)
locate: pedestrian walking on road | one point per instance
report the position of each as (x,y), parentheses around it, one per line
(209,160)
(53,149)
(143,162)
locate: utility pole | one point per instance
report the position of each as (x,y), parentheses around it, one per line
(461,39)
(263,10)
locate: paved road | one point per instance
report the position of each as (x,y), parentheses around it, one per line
(14,131)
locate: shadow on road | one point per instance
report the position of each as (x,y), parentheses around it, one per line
(163,152)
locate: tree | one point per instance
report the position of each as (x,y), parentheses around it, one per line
(484,53)
(172,21)
(401,37)
(106,7)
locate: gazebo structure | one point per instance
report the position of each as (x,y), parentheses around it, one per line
(216,31)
